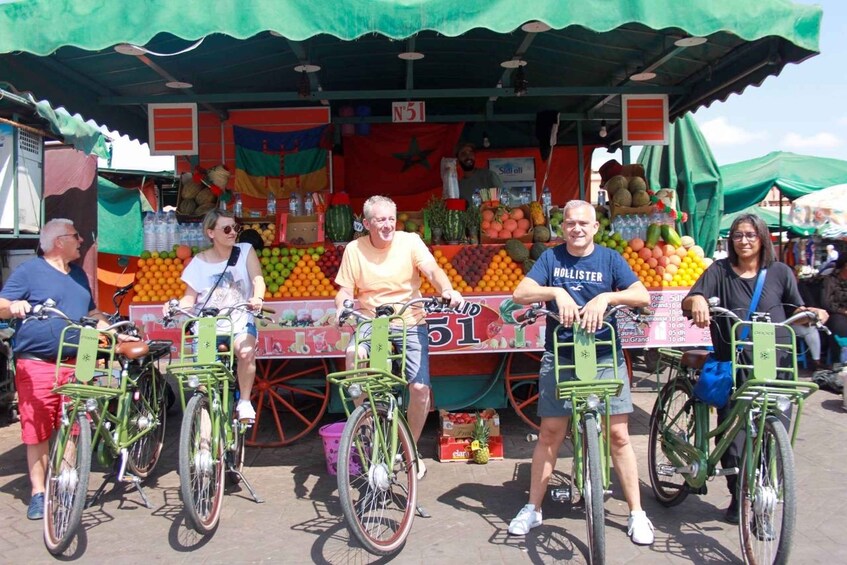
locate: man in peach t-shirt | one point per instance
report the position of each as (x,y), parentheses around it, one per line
(383,268)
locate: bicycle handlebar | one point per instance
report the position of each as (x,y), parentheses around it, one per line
(531,314)
(48,309)
(809,315)
(431,305)
(174,309)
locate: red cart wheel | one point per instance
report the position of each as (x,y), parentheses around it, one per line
(522,385)
(290,396)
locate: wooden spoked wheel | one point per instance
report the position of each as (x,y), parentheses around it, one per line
(290,396)
(522,385)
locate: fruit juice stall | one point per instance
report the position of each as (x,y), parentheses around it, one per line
(531,75)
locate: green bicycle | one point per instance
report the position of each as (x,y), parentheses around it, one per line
(211,439)
(680,460)
(377,455)
(589,424)
(116,391)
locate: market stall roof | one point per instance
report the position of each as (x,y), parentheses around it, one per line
(248,54)
(771,218)
(748,182)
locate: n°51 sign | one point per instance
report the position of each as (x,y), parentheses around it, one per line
(406,112)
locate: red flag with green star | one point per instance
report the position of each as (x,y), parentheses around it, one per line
(398,158)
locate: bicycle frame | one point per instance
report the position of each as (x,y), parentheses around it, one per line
(583,350)
(377,380)
(756,399)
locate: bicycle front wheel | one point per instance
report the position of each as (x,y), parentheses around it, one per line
(767,496)
(378,495)
(593,493)
(67,484)
(201,468)
(672,414)
(147,413)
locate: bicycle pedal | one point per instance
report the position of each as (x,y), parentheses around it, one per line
(561,494)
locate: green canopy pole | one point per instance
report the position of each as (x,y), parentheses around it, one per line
(579,160)
(626,158)
(781,258)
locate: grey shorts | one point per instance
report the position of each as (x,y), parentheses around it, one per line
(549,404)
(417,352)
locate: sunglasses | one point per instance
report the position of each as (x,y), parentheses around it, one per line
(229,229)
(750,235)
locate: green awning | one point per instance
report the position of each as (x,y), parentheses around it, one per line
(771,218)
(83,135)
(748,182)
(687,165)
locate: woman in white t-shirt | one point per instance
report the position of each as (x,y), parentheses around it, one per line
(211,283)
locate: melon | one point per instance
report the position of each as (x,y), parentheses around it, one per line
(187,206)
(636,184)
(622,197)
(615,183)
(205,196)
(640,198)
(189,188)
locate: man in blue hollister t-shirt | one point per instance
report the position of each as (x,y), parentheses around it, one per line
(580,281)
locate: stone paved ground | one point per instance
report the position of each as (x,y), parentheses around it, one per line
(470,506)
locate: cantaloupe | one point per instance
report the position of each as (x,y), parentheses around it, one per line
(615,183)
(636,184)
(622,197)
(640,198)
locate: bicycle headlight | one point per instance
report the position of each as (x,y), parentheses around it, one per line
(783,404)
(354,390)
(90,405)
(593,401)
(193,381)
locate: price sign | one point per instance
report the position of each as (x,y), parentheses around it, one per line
(408,112)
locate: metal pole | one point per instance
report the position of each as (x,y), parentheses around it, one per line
(580,160)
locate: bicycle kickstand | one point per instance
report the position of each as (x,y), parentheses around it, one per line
(256,498)
(124,477)
(421,511)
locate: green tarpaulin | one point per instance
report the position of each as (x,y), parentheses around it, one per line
(687,165)
(74,130)
(99,24)
(119,221)
(771,218)
(748,182)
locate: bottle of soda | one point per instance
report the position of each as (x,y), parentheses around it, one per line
(270,209)
(238,208)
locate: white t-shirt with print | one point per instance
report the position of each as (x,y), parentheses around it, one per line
(235,286)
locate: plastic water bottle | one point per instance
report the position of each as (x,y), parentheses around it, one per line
(505,196)
(171,230)
(149,244)
(159,241)
(238,208)
(309,204)
(270,209)
(294,205)
(546,200)
(476,199)
(525,196)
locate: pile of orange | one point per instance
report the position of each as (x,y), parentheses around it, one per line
(665,265)
(158,278)
(306,280)
(502,275)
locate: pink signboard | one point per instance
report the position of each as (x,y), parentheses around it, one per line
(306,328)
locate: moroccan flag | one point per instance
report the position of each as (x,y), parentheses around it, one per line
(280,162)
(398,158)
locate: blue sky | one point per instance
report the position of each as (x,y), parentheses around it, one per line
(803,110)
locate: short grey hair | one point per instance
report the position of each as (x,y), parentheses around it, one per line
(52,230)
(373,201)
(574,204)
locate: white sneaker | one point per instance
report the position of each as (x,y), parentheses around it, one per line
(526,519)
(639,528)
(245,410)
(421,468)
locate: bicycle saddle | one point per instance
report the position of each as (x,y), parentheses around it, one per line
(132,349)
(694,358)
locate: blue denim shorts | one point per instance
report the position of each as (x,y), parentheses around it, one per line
(417,352)
(549,404)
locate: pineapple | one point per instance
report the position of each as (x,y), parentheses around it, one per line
(481,453)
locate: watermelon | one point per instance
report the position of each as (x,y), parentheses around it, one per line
(454,227)
(338,222)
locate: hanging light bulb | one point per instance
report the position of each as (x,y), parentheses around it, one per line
(520,81)
(303,88)
(485,141)
(603,131)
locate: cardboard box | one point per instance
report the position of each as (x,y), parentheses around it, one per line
(309,228)
(460,424)
(457,449)
(628,210)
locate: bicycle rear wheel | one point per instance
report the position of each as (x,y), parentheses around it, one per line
(378,496)
(201,469)
(768,503)
(673,413)
(67,484)
(147,412)
(592,486)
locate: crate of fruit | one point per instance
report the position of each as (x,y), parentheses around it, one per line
(460,424)
(501,223)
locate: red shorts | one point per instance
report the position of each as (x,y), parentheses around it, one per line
(37,405)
